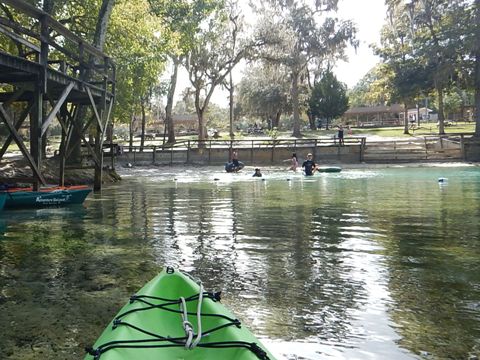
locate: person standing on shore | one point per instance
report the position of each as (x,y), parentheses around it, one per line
(340,135)
(309,165)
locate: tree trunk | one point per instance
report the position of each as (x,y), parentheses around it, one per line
(441,116)
(232,90)
(102,24)
(168,109)
(405,119)
(109,133)
(202,129)
(477,94)
(276,123)
(296,106)
(144,120)
(48,6)
(311,121)
(130,139)
(477,69)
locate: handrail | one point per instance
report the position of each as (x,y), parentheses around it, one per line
(245,143)
(38,14)
(103,66)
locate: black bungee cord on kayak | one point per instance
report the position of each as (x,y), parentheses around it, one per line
(187,341)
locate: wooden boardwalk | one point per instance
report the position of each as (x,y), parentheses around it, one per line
(53,74)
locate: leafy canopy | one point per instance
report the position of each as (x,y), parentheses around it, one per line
(329,98)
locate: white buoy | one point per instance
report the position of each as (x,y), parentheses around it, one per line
(442,180)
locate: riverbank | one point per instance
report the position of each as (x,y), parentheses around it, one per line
(385,154)
(18,171)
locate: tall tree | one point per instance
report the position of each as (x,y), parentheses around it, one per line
(373,89)
(329,98)
(139,55)
(264,92)
(298,32)
(101,27)
(475,21)
(182,19)
(434,27)
(405,75)
(212,59)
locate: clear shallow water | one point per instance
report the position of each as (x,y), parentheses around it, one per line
(363,264)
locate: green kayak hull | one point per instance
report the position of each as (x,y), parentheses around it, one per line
(150,326)
(329,169)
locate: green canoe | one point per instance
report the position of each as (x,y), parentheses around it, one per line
(161,322)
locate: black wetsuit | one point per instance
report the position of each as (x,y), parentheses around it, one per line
(309,165)
(340,134)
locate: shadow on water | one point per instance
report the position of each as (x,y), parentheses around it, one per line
(343,266)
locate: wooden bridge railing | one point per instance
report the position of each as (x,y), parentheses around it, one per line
(51,45)
(57,75)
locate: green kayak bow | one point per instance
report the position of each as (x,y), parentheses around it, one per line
(172,317)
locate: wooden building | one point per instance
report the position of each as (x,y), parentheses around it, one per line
(187,122)
(392,115)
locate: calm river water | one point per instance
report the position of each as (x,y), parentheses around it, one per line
(363,264)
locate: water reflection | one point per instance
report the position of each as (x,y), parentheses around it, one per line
(345,265)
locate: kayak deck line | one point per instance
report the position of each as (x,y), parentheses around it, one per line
(142,306)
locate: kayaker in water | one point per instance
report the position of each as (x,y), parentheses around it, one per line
(235,162)
(235,158)
(257,173)
(309,165)
(293,162)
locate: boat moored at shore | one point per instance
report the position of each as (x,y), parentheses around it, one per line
(52,196)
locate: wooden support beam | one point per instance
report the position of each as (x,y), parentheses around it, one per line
(19,123)
(56,108)
(94,106)
(6,119)
(62,123)
(67,132)
(82,131)
(107,121)
(72,117)
(81,134)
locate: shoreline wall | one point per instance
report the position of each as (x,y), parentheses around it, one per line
(249,156)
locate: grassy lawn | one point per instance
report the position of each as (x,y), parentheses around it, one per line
(426,129)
